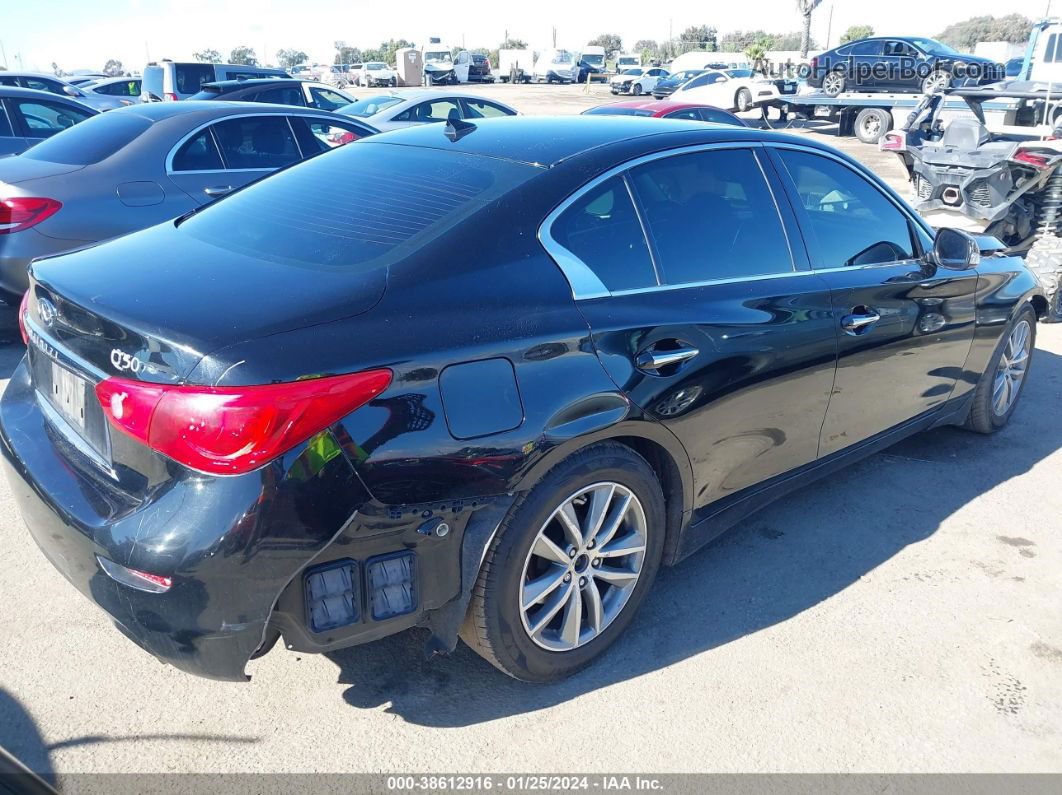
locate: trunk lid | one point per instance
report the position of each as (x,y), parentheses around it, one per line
(150,306)
(15,170)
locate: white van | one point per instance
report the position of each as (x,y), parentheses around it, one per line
(555,66)
(438,63)
(169,81)
(627,60)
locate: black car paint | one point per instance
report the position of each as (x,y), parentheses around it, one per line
(397,465)
(883,72)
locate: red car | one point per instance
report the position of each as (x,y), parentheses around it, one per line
(664,109)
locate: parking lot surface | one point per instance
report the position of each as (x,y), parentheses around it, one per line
(901,615)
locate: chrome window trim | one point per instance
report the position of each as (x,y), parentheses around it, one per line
(587,285)
(317,114)
(7,116)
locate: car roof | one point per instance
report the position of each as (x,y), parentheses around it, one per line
(15,92)
(35,74)
(547,140)
(232,85)
(160,111)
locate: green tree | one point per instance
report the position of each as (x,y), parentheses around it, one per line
(290,57)
(344,53)
(386,51)
(513,44)
(698,37)
(208,56)
(788,41)
(610,41)
(244,56)
(113,68)
(965,35)
(740,40)
(857,32)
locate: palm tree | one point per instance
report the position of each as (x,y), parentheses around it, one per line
(806,7)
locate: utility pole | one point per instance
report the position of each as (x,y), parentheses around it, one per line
(829,26)
(3,54)
(554,37)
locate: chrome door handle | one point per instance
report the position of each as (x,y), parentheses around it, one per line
(218,190)
(650,359)
(859,321)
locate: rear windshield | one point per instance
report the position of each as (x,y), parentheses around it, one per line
(361,206)
(364,108)
(90,141)
(607,111)
(153,81)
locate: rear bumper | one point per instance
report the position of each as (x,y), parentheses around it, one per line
(240,550)
(17,251)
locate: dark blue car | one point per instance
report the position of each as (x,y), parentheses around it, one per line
(899,64)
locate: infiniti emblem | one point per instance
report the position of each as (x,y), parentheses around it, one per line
(46,310)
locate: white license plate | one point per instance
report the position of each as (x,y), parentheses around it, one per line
(68,395)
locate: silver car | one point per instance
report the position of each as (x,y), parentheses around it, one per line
(53,85)
(126,88)
(27,117)
(129,169)
(393,111)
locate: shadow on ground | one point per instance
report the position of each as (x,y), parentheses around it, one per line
(773,566)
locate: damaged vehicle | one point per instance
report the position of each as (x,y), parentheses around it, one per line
(484,378)
(1008,185)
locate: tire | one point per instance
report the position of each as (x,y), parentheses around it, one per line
(500,630)
(833,84)
(743,100)
(1045,260)
(936,80)
(986,415)
(871,124)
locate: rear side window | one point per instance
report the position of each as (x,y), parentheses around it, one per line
(256,142)
(37,84)
(198,154)
(720,117)
(612,110)
(326,99)
(44,119)
(867,48)
(94,140)
(189,77)
(711,216)
(481,109)
(286,95)
(318,135)
(852,222)
(361,206)
(601,229)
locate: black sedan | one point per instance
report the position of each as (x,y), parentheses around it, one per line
(899,64)
(666,87)
(277,91)
(484,378)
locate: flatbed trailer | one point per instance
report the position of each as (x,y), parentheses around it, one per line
(869,115)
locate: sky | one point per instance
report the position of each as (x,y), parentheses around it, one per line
(84,34)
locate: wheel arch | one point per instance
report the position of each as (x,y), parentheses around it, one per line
(665,455)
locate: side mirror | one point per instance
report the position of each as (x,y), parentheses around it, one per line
(956,250)
(70,91)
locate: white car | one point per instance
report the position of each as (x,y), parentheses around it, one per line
(393,111)
(376,74)
(638,80)
(730,89)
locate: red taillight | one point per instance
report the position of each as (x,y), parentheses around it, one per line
(232,430)
(134,578)
(170,97)
(22,212)
(814,64)
(1030,159)
(893,142)
(23,308)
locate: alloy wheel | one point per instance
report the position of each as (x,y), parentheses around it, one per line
(1011,369)
(833,83)
(583,566)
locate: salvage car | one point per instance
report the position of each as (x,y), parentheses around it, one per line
(899,64)
(662,109)
(277,91)
(147,164)
(27,117)
(637,80)
(375,74)
(484,378)
(53,85)
(732,89)
(387,112)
